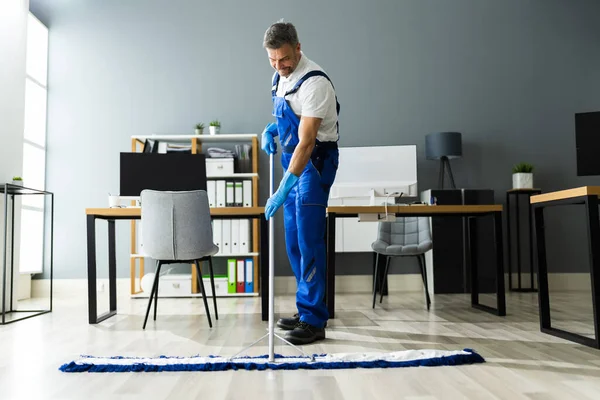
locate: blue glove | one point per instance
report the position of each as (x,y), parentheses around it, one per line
(267,140)
(287,183)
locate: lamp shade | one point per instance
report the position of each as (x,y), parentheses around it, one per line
(443,144)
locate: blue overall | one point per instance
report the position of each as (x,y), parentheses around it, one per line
(304,209)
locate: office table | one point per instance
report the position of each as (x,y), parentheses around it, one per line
(469,211)
(588,197)
(131,213)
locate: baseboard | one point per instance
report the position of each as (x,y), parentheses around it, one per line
(286,285)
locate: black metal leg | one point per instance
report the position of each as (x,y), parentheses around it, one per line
(331,264)
(542,267)
(91,270)
(471,233)
(387,266)
(264,267)
(12,251)
(594,246)
(201,283)
(5,254)
(500,295)
(112,267)
(508,241)
(421,258)
(153,292)
(531,250)
(212,286)
(157,286)
(375,275)
(518,237)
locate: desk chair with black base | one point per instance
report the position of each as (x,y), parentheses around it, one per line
(406,237)
(176,228)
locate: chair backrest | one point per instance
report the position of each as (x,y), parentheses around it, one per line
(176,225)
(405,231)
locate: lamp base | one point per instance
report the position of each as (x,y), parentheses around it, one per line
(445,163)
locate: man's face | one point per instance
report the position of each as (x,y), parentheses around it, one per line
(284,59)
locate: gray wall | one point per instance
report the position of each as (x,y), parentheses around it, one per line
(508,74)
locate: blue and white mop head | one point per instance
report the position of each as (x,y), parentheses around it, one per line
(398,359)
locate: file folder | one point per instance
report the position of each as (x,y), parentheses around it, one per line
(226,237)
(211,189)
(247,193)
(244,229)
(241,286)
(231,276)
(218,234)
(230,194)
(235,236)
(249,284)
(220,193)
(239,196)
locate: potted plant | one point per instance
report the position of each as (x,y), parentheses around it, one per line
(17,180)
(214,127)
(522,176)
(199,128)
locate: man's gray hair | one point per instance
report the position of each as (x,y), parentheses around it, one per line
(279,34)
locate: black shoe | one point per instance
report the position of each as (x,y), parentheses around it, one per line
(287,324)
(304,333)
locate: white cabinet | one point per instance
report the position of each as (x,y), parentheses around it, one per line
(352,236)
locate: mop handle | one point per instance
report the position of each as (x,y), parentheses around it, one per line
(271,266)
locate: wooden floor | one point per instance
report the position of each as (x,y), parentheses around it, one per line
(522,363)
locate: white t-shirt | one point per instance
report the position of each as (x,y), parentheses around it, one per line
(314,98)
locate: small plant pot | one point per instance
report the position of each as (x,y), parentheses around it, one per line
(214,130)
(17,183)
(522,180)
(199,131)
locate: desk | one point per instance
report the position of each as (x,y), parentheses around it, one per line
(588,197)
(470,211)
(131,213)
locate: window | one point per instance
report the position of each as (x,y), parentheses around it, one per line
(34,146)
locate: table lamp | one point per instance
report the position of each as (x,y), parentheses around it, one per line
(444,146)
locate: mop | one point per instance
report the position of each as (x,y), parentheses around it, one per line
(398,359)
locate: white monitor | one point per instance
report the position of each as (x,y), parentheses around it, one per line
(376,171)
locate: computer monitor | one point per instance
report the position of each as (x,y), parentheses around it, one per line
(587,142)
(159,171)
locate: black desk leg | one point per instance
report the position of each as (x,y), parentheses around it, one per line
(591,206)
(508,241)
(542,268)
(12,250)
(112,267)
(500,295)
(91,269)
(264,267)
(330,291)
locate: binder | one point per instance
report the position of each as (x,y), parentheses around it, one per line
(249,284)
(218,234)
(230,194)
(220,193)
(231,276)
(244,230)
(211,189)
(235,236)
(241,286)
(247,193)
(226,237)
(239,196)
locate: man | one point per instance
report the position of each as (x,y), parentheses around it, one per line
(306,111)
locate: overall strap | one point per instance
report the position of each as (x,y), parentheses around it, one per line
(275,85)
(308,75)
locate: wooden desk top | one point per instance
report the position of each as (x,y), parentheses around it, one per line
(416,209)
(137,211)
(566,194)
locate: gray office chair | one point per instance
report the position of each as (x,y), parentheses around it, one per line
(176,228)
(406,237)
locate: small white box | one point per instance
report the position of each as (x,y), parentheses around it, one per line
(219,167)
(220,286)
(175,285)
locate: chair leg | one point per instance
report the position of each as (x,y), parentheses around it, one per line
(212,285)
(201,283)
(421,259)
(387,267)
(375,279)
(152,292)
(156,291)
